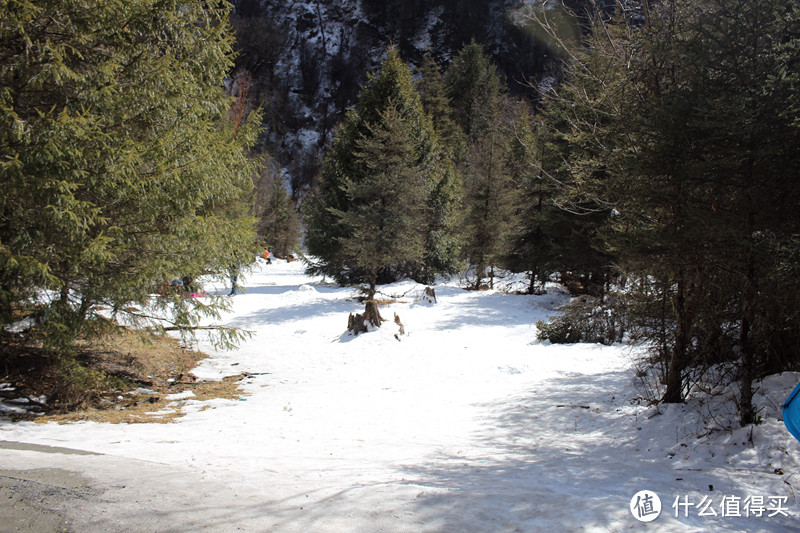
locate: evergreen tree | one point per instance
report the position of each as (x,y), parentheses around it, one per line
(472,84)
(278,223)
(485,116)
(384,219)
(622,117)
(388,105)
(443,243)
(120,166)
(704,192)
(689,142)
(560,230)
(436,102)
(787,53)
(489,202)
(531,246)
(746,149)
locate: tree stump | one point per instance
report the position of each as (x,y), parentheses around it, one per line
(430,295)
(402,330)
(355,323)
(358,322)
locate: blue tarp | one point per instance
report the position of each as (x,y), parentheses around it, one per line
(791,413)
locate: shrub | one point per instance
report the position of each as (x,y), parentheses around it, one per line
(585,319)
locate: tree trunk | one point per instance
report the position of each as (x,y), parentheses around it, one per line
(687,303)
(479,269)
(677,361)
(372,314)
(747,414)
(373,281)
(359,323)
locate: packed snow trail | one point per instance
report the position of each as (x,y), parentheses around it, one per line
(466,423)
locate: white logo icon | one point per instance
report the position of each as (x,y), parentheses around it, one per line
(645,506)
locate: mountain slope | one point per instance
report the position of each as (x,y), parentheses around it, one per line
(308,59)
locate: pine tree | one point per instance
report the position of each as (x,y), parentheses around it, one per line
(489,202)
(384,219)
(120,166)
(706,184)
(689,142)
(622,156)
(442,241)
(484,114)
(531,245)
(278,222)
(389,115)
(472,83)
(746,149)
(436,102)
(443,246)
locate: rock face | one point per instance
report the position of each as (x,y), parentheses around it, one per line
(308,59)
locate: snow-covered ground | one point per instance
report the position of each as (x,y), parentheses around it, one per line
(466,423)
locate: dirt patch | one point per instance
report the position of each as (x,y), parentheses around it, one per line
(129,377)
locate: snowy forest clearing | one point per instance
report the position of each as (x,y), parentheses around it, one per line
(467,423)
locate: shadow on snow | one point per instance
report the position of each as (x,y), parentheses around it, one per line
(523,479)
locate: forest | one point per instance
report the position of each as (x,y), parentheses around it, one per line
(649,163)
(658,181)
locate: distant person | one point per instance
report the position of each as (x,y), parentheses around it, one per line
(188,284)
(267,256)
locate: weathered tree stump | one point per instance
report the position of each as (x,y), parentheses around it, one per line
(430,295)
(358,322)
(372,314)
(399,323)
(355,323)
(402,330)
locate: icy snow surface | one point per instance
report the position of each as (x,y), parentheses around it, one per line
(467,423)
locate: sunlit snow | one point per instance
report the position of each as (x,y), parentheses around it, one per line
(466,423)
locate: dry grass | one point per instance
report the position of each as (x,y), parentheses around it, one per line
(381,301)
(140,408)
(139,370)
(142,356)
